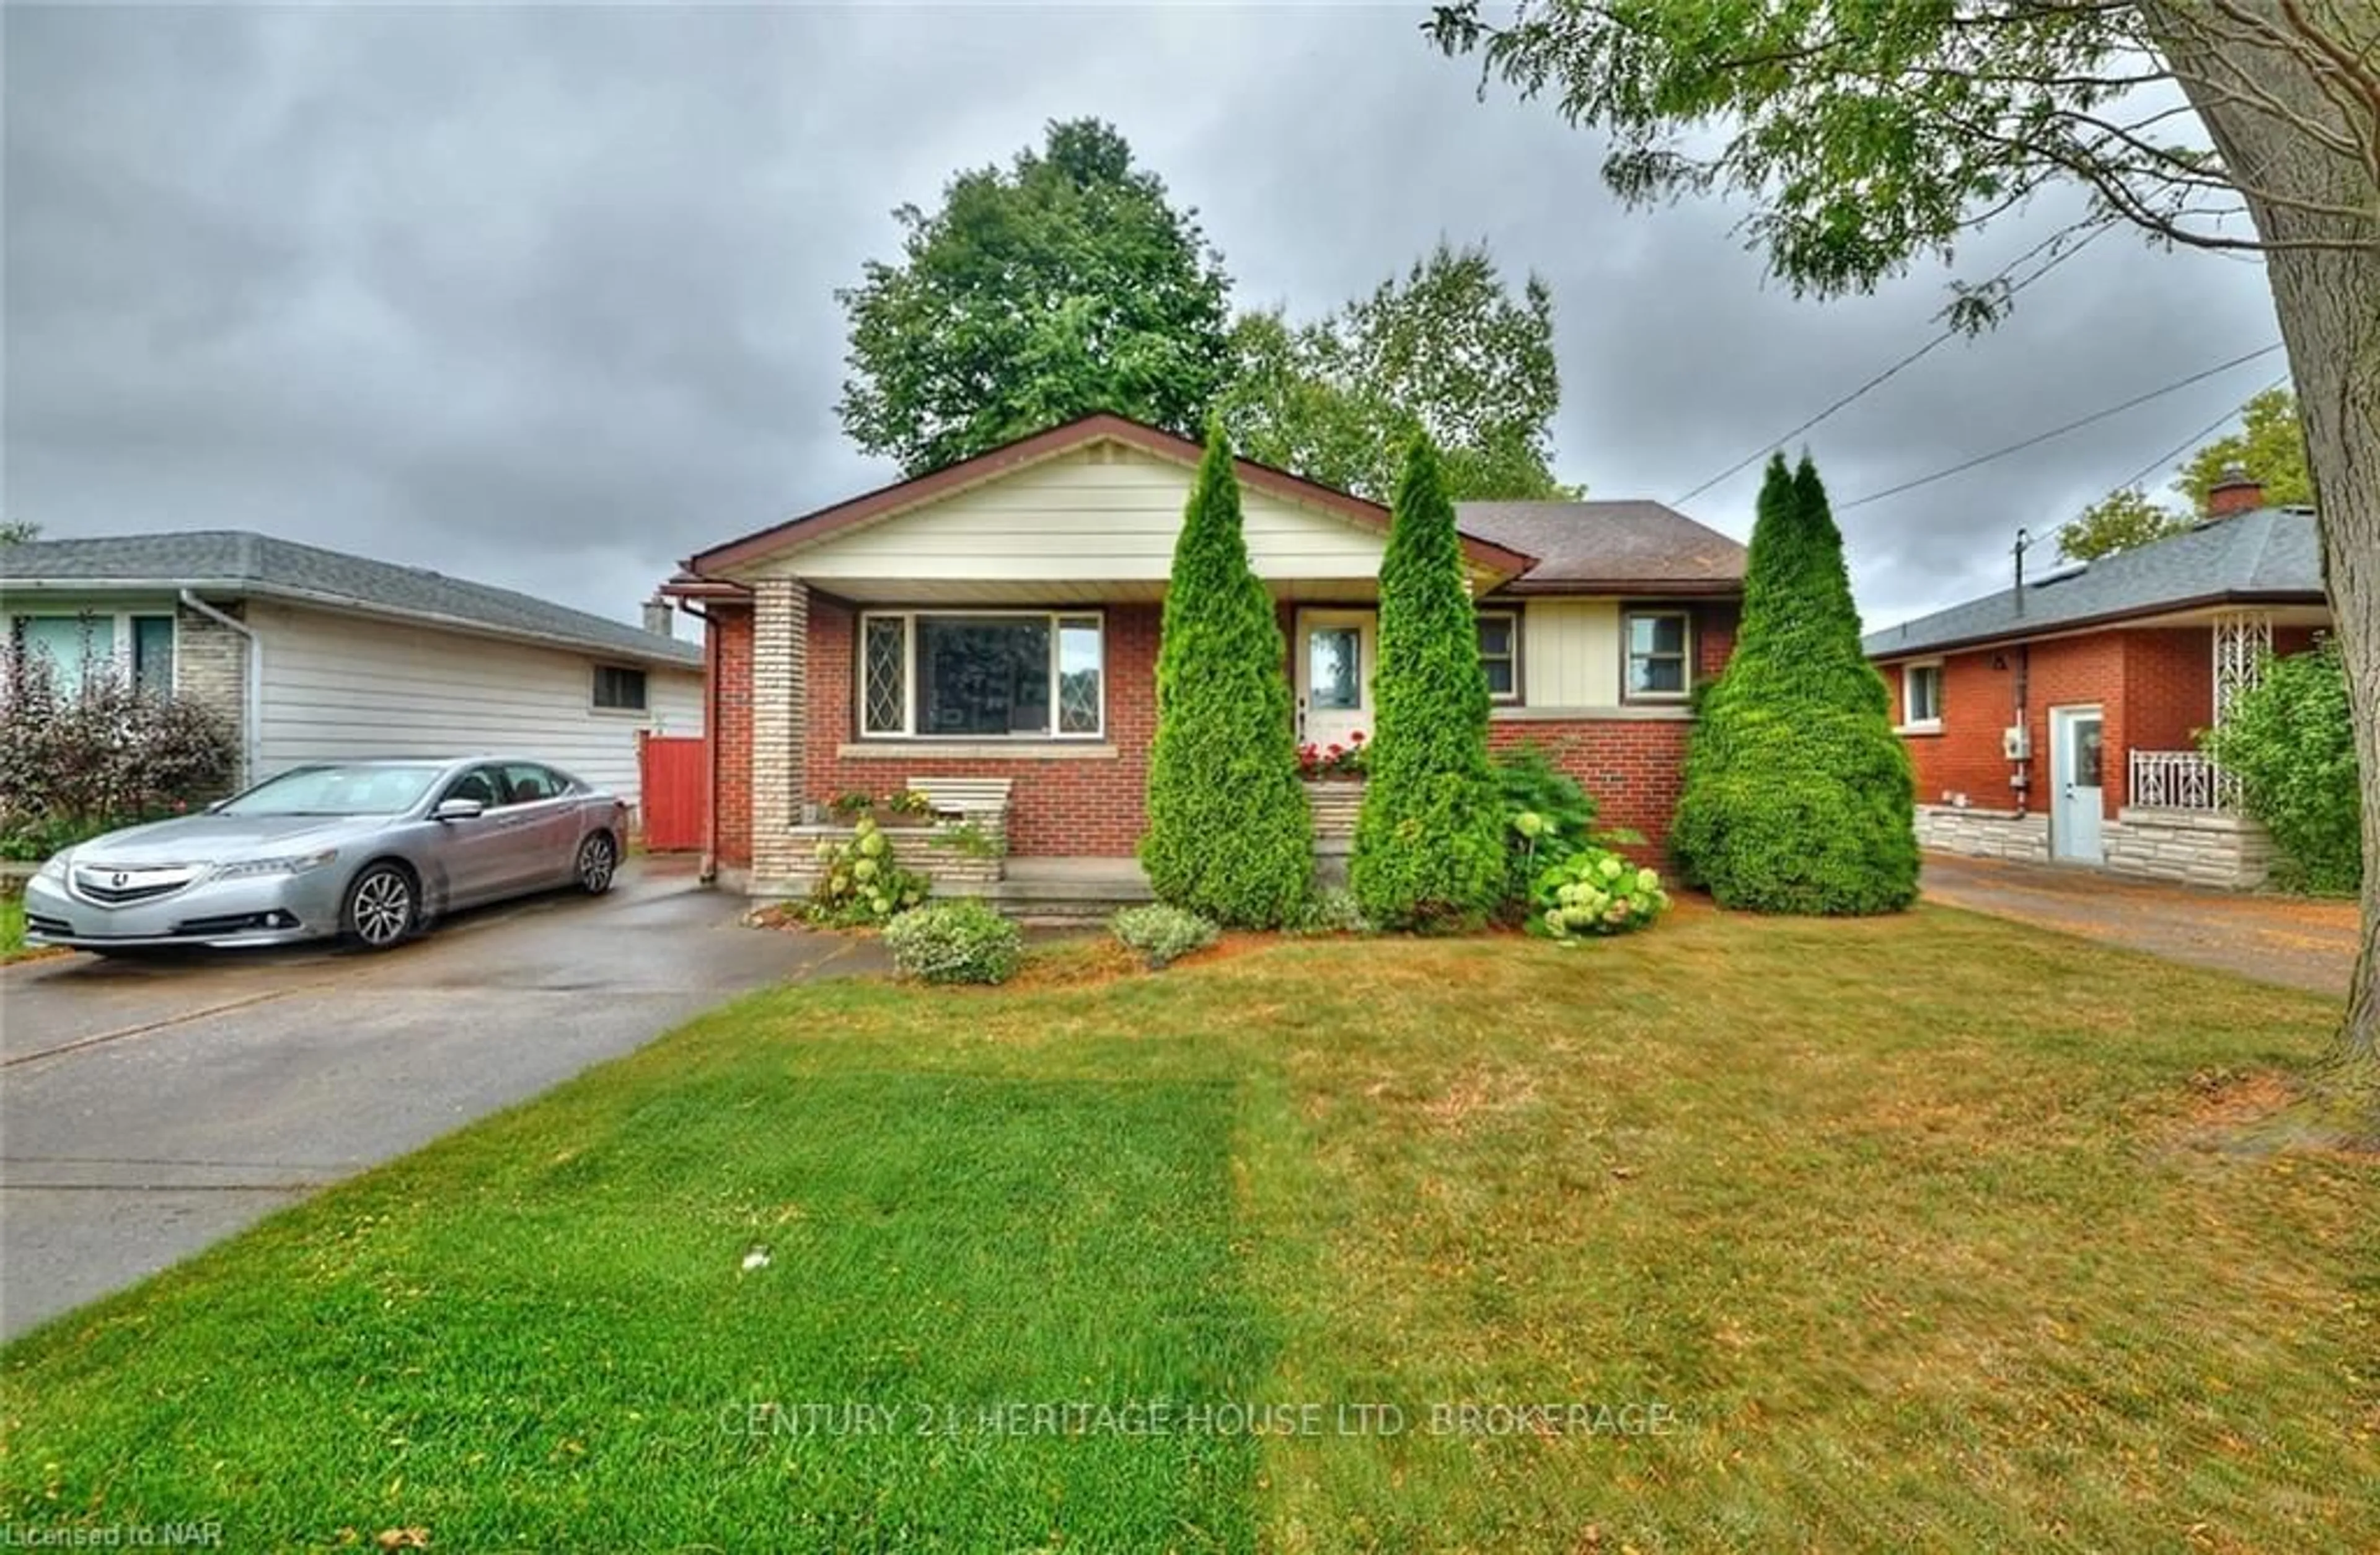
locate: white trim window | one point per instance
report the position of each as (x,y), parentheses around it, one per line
(1500,654)
(140,643)
(1921,695)
(1659,649)
(982,674)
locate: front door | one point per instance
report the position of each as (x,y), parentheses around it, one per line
(2074,779)
(1336,650)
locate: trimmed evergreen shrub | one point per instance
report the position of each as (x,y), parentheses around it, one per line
(1230,835)
(1160,935)
(1798,796)
(2291,744)
(960,942)
(1429,842)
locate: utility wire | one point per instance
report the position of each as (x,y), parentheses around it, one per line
(2195,438)
(2075,425)
(1889,373)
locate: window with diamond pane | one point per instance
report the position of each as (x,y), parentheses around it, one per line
(884,661)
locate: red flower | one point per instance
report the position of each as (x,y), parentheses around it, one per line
(1357,737)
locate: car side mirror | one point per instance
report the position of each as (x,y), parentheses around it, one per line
(456,809)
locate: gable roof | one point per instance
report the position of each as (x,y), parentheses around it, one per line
(1620,547)
(240,562)
(918,490)
(2272,555)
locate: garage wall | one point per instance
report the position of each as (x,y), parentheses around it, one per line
(345,687)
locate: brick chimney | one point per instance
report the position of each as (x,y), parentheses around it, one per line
(659,619)
(2236,493)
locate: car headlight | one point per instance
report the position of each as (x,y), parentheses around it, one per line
(55,866)
(296,864)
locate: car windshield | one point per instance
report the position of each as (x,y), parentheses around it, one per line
(360,790)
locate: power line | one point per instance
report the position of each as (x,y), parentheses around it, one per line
(2075,425)
(2187,444)
(1881,379)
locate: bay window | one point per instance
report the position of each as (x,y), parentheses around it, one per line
(982,674)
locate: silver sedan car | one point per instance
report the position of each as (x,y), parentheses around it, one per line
(373,850)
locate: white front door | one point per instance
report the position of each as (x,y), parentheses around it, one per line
(1337,652)
(2076,798)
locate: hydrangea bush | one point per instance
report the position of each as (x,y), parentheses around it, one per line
(860,882)
(1596,892)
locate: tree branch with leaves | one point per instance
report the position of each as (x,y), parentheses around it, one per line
(1869,136)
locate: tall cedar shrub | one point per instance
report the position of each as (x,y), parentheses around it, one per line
(1429,841)
(1798,796)
(1230,835)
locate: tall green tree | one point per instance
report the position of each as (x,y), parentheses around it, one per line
(1869,135)
(1448,351)
(2270,446)
(2119,521)
(1062,284)
(1230,833)
(1429,840)
(1798,796)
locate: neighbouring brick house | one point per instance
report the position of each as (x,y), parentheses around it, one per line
(316,655)
(991,630)
(2058,720)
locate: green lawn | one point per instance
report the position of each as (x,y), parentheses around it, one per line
(1894,1235)
(12,924)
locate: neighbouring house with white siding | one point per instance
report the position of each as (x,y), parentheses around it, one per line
(318,655)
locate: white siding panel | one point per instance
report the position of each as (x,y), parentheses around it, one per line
(1106,512)
(1571,653)
(344,688)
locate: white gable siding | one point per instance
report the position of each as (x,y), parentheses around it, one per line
(1106,512)
(1571,653)
(341,687)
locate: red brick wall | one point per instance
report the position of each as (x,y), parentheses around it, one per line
(1095,805)
(1632,769)
(1068,806)
(730,631)
(2154,689)
(2168,687)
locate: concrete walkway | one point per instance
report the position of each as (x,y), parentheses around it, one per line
(149,1107)
(2285,940)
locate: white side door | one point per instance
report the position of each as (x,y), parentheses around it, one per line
(2078,800)
(1337,652)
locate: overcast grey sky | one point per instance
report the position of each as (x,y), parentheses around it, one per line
(544,297)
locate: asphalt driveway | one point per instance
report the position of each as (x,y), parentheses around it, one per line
(148,1109)
(2292,941)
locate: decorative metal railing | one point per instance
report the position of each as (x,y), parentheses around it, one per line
(2181,779)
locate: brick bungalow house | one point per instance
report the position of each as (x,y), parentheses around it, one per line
(2058,718)
(988,633)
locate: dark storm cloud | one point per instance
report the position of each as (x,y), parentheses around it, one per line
(544,296)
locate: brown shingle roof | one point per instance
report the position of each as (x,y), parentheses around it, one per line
(1633,546)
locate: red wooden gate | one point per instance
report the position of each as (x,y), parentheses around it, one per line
(673,774)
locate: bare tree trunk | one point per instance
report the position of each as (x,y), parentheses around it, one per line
(2328,300)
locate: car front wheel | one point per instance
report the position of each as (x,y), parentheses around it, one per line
(383,905)
(598,860)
